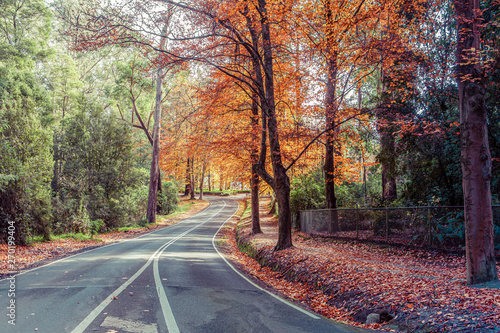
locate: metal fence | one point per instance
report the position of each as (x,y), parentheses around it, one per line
(419,226)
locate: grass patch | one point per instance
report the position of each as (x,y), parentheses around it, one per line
(225,192)
(130,227)
(246,247)
(79,237)
(248,209)
(222,193)
(182,207)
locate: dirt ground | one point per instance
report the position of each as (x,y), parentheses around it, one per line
(412,290)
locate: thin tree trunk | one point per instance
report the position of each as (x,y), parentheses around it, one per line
(154,179)
(202,180)
(254,180)
(209,180)
(187,178)
(365,192)
(387,155)
(254,184)
(475,151)
(159,204)
(331,109)
(221,179)
(272,209)
(388,161)
(155,156)
(192,181)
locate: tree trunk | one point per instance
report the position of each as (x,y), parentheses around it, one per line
(155,156)
(254,180)
(191,180)
(475,152)
(265,89)
(387,155)
(365,192)
(272,208)
(388,161)
(281,180)
(154,177)
(209,180)
(331,115)
(159,204)
(187,179)
(221,180)
(202,180)
(254,185)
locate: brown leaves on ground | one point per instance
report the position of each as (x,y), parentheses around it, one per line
(28,256)
(426,292)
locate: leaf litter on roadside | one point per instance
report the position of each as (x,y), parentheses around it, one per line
(347,281)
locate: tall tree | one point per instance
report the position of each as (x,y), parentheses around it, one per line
(280,181)
(154,178)
(475,151)
(331,114)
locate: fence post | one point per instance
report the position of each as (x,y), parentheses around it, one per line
(386,224)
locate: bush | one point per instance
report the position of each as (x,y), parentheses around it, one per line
(307,192)
(168,199)
(96,226)
(25,171)
(96,177)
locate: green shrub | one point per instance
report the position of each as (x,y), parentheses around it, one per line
(96,226)
(142,222)
(307,192)
(169,198)
(97,177)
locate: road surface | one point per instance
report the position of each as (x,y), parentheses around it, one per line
(170,280)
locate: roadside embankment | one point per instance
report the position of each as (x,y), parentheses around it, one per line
(391,288)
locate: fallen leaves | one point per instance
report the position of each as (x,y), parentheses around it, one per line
(344,281)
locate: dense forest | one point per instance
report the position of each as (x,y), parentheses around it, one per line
(108,110)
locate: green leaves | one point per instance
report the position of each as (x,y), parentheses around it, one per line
(168,198)
(307,192)
(96,168)
(25,28)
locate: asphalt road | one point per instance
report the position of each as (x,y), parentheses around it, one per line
(170,280)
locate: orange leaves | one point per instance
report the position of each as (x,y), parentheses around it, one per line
(339,279)
(27,255)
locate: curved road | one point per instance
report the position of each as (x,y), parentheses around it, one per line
(170,280)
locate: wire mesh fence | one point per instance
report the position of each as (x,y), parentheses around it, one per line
(420,226)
